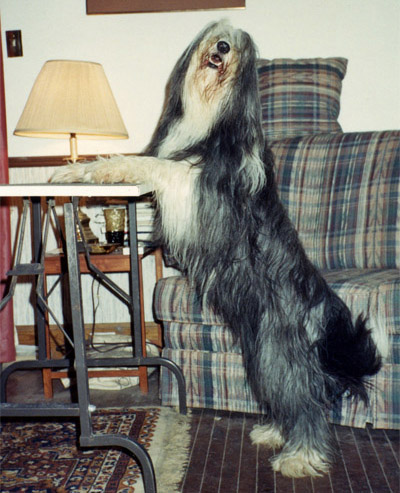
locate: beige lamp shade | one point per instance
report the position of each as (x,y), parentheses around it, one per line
(71,99)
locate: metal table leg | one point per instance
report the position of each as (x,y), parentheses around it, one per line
(37,253)
(87,438)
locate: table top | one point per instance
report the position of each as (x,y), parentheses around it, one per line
(74,190)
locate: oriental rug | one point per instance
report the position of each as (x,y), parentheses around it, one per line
(43,456)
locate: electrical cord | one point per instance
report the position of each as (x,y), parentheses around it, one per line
(101,348)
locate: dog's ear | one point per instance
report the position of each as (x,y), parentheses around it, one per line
(172,109)
(247,107)
(173,106)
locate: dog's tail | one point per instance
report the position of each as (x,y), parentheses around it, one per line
(347,352)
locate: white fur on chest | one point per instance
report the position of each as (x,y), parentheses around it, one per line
(177,199)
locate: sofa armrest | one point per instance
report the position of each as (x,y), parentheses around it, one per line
(175,300)
(342,192)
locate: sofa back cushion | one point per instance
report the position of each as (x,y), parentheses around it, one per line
(342,192)
(300,97)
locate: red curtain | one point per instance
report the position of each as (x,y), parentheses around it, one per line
(7,346)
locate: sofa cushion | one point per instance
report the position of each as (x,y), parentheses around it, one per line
(300,97)
(342,193)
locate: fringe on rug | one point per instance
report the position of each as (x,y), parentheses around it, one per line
(169,450)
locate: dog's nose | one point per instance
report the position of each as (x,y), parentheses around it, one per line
(223,47)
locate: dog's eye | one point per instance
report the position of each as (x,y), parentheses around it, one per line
(223,47)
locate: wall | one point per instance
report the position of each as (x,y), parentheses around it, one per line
(138,52)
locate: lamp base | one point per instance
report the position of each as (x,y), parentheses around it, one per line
(73,145)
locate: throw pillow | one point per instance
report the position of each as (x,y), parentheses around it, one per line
(300,97)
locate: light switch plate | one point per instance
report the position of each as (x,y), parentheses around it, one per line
(14,43)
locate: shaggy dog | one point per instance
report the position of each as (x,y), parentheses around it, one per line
(219,215)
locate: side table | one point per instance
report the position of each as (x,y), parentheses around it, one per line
(55,264)
(82,409)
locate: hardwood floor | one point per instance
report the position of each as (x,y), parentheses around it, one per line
(222,459)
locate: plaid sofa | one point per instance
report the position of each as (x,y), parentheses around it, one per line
(342,192)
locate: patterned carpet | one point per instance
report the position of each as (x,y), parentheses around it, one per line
(41,456)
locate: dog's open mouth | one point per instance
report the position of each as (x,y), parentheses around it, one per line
(214,61)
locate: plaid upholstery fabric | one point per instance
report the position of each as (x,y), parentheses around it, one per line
(213,381)
(218,381)
(300,97)
(176,301)
(199,337)
(384,403)
(342,193)
(376,295)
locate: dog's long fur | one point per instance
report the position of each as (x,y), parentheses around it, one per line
(218,212)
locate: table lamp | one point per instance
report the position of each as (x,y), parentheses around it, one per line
(71,100)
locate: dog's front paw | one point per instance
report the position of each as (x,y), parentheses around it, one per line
(268,435)
(116,169)
(71,173)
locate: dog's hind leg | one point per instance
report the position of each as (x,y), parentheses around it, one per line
(307,451)
(293,391)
